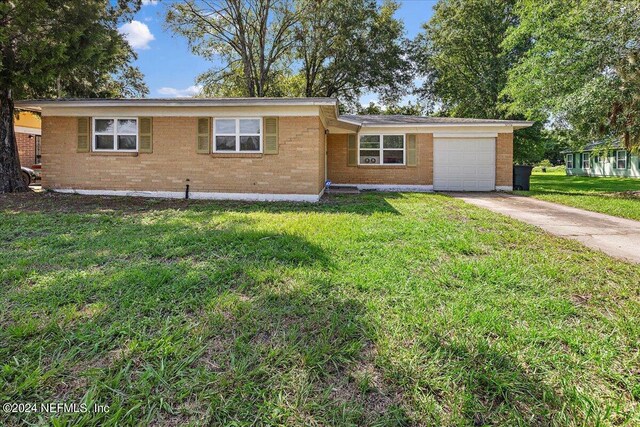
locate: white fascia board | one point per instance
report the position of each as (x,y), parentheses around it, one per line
(196,195)
(456,130)
(182,111)
(24,129)
(187,102)
(513,124)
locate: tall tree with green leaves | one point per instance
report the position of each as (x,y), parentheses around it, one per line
(461,58)
(52,48)
(408,109)
(296,47)
(251,39)
(582,69)
(347,47)
(283,82)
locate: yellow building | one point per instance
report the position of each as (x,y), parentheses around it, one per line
(28,124)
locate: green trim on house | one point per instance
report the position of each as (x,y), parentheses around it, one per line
(604,163)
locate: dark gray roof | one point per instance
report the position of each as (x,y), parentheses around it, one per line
(375,120)
(596,145)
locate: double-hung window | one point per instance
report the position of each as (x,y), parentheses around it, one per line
(238,135)
(586,161)
(569,161)
(115,134)
(381,150)
(621,159)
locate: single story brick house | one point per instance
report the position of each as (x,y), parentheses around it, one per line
(262,149)
(602,159)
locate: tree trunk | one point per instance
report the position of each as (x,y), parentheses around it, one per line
(10,174)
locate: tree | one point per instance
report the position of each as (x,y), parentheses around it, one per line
(283,83)
(331,48)
(557,141)
(460,57)
(59,48)
(254,36)
(409,109)
(582,69)
(464,64)
(346,47)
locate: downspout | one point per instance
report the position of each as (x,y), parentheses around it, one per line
(326,157)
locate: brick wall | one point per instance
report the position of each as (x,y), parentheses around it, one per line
(340,173)
(26,149)
(504,160)
(294,170)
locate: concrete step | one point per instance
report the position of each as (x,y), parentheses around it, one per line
(342,190)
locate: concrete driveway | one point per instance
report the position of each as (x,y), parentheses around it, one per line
(614,236)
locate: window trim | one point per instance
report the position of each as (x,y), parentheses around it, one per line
(586,160)
(568,158)
(238,135)
(626,159)
(115,134)
(382,149)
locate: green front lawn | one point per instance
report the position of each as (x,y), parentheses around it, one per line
(612,196)
(375,309)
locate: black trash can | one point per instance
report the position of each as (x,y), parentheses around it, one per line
(521,176)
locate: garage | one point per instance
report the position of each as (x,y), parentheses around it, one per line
(464,164)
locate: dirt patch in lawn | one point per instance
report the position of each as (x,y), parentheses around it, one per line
(629,194)
(45,202)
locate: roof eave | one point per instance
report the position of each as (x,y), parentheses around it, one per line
(514,125)
(522,125)
(351,122)
(258,102)
(32,109)
(592,149)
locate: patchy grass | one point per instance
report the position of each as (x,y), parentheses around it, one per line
(376,309)
(613,196)
(551,170)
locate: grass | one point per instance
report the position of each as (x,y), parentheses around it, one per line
(376,309)
(613,196)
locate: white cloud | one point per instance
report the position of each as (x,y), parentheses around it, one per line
(180,93)
(137,34)
(149,2)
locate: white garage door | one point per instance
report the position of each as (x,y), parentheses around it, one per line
(464,164)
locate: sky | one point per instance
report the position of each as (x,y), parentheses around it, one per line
(169,67)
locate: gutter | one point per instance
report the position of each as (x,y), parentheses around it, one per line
(240,102)
(514,124)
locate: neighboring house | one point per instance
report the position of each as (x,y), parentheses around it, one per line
(262,149)
(28,133)
(602,159)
